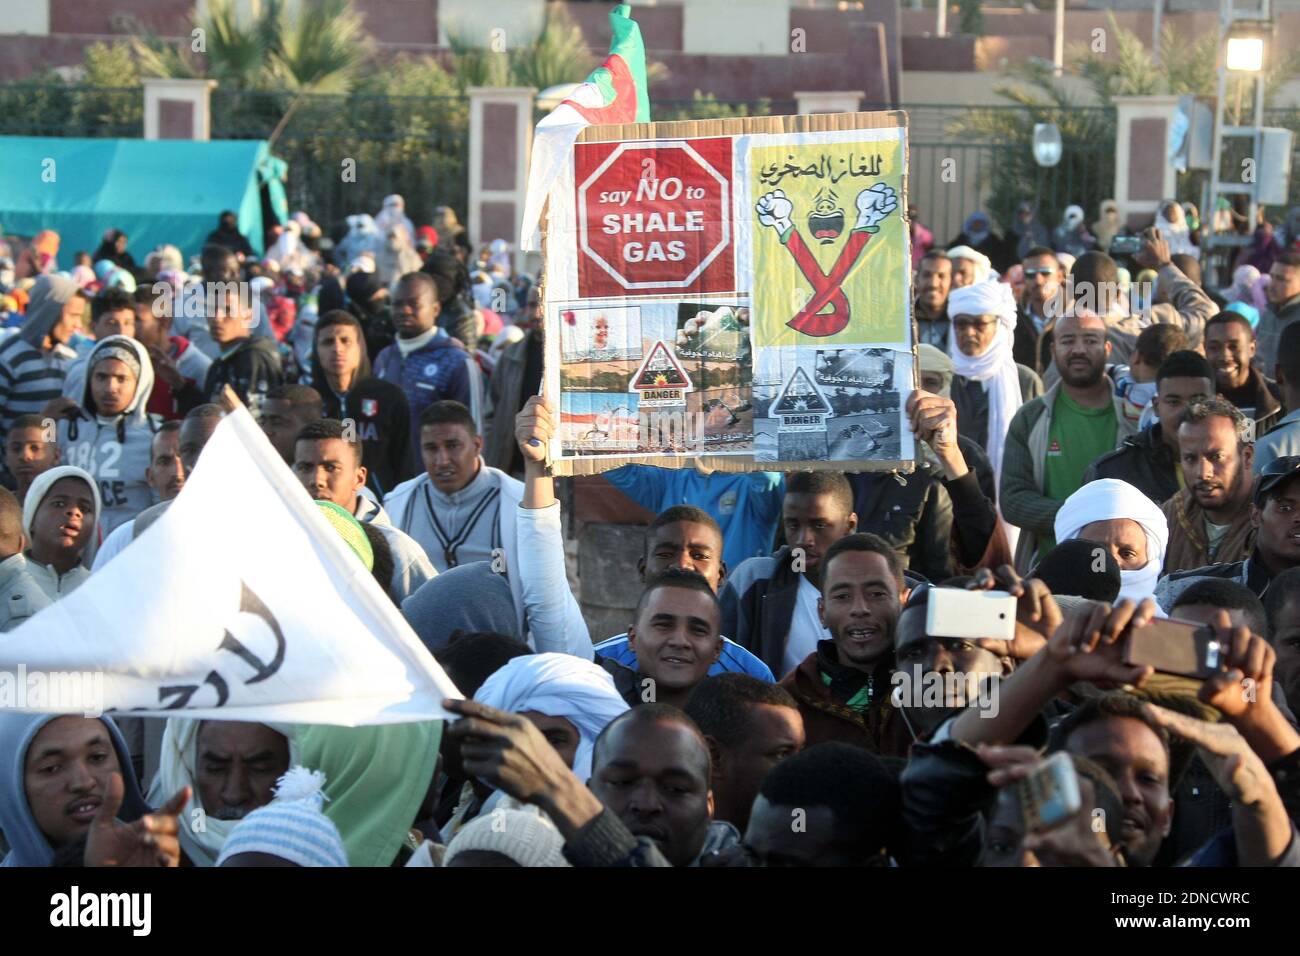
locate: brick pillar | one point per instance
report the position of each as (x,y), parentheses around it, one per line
(1144,173)
(178,109)
(500,137)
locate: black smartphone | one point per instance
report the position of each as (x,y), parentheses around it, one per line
(1175,647)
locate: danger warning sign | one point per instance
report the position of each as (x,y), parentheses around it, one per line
(661,380)
(800,397)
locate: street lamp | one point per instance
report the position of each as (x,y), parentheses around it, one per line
(1245,54)
(1047,144)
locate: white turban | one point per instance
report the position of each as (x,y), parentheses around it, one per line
(983,265)
(996,368)
(1108,499)
(558,685)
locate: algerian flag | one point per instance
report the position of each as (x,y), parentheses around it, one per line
(614,93)
(241,602)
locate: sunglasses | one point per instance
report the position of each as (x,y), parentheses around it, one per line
(1039,272)
(969,324)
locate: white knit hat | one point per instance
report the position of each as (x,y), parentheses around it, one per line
(41,486)
(525,836)
(291,826)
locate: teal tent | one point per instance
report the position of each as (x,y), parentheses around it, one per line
(156,191)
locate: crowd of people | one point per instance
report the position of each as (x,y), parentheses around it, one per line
(1105,459)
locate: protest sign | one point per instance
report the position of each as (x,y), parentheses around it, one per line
(736,292)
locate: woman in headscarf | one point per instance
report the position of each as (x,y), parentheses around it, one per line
(289,252)
(447,226)
(1172,224)
(227,235)
(394,214)
(1262,249)
(1243,285)
(55,774)
(113,248)
(1072,236)
(977,232)
(1128,522)
(1028,232)
(362,237)
(396,258)
(1108,226)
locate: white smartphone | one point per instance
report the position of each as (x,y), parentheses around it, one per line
(953,612)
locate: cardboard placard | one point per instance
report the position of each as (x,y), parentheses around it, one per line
(732,292)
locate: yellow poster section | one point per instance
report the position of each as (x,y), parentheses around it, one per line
(822,191)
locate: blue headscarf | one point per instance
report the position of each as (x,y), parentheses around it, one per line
(27,844)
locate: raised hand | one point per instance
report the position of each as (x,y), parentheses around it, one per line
(533,429)
(153,840)
(775,210)
(874,206)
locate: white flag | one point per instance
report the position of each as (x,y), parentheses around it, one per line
(240,603)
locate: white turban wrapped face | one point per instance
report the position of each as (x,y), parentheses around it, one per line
(558,685)
(1109,499)
(995,369)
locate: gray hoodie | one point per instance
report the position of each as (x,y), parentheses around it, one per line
(116,449)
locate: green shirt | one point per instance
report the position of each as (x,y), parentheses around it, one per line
(1078,436)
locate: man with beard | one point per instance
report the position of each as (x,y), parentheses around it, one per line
(933,282)
(1053,439)
(1275,513)
(843,686)
(1209,520)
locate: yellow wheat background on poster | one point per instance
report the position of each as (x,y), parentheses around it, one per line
(818,278)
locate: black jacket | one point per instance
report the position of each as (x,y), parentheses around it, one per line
(1029,347)
(383,419)
(252,370)
(972,402)
(759,619)
(1144,461)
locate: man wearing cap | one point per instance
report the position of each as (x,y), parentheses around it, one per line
(59,516)
(1275,514)
(1209,520)
(110,434)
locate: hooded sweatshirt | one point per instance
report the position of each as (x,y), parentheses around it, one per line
(56,585)
(114,449)
(27,843)
(29,375)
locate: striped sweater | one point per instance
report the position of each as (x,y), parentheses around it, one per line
(29,377)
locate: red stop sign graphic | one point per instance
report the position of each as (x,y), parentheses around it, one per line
(654,218)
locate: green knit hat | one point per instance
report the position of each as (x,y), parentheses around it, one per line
(351,531)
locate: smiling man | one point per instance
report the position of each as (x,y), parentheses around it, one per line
(933,282)
(676,638)
(1230,348)
(843,686)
